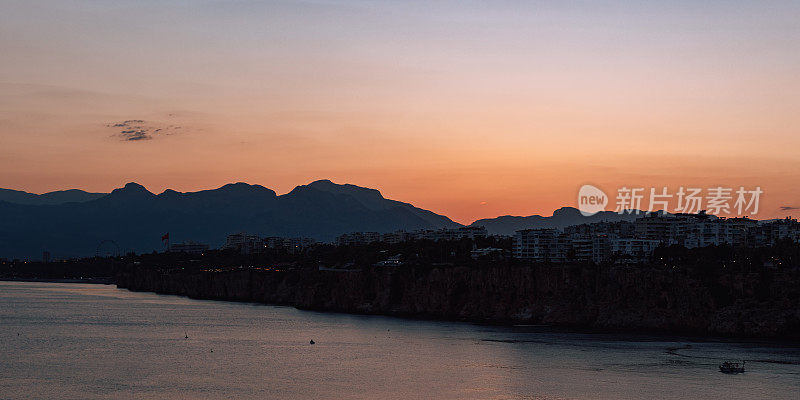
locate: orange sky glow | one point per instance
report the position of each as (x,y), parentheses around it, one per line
(471,110)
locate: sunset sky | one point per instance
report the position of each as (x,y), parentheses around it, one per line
(469,109)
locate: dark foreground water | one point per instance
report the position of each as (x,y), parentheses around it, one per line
(96,341)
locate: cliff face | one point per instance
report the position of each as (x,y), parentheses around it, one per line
(748,305)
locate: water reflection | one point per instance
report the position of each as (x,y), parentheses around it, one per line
(94,341)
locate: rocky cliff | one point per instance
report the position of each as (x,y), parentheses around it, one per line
(764,304)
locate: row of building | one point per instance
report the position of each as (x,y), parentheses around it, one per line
(621,241)
(701,230)
(553,245)
(362,238)
(247,244)
(636,241)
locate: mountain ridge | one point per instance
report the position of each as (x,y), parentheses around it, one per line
(561,218)
(136,218)
(49,198)
(69,225)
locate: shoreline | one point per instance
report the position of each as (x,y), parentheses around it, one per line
(616,301)
(621,334)
(96,281)
(642,335)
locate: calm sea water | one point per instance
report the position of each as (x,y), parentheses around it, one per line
(95,341)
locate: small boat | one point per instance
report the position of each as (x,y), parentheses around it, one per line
(731,367)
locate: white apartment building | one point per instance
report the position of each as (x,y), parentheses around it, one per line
(541,245)
(632,249)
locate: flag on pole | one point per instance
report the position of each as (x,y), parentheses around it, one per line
(165,237)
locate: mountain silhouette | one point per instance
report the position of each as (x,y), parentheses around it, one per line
(51,198)
(561,218)
(135,218)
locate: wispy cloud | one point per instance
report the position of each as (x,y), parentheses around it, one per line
(789,208)
(134,130)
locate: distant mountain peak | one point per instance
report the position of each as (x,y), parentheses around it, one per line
(347,188)
(322,183)
(562,217)
(369,198)
(131,190)
(241,186)
(246,189)
(135,186)
(237,184)
(567,212)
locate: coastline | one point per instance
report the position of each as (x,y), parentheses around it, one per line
(635,334)
(97,281)
(624,334)
(146,330)
(619,300)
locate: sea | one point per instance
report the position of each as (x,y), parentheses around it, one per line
(90,341)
